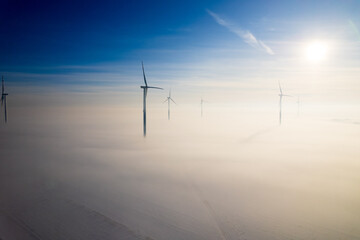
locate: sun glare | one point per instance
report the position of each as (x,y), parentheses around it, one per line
(316,51)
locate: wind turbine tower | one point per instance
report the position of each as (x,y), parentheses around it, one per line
(168,99)
(281,95)
(145,88)
(3,97)
(202,103)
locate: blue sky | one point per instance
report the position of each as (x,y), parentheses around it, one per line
(75,41)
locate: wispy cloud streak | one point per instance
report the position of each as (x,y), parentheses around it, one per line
(247,36)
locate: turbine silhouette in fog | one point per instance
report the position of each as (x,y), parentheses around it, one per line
(168,99)
(3,97)
(281,95)
(145,88)
(202,102)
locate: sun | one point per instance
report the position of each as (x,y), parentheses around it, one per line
(316,51)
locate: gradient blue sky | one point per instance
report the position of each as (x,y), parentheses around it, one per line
(52,42)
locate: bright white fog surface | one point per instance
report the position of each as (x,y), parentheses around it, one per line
(86,172)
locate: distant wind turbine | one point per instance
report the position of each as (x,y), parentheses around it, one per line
(202,102)
(280,103)
(3,97)
(168,99)
(145,94)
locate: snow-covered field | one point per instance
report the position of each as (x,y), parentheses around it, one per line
(87,173)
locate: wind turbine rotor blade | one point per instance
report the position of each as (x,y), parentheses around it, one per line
(155,88)
(165,101)
(142,64)
(173,100)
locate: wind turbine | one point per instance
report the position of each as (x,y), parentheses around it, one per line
(3,96)
(281,95)
(202,102)
(146,87)
(168,100)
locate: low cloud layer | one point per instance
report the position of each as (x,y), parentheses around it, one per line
(192,178)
